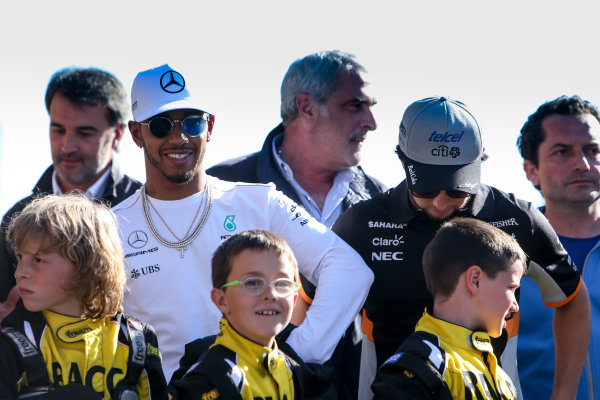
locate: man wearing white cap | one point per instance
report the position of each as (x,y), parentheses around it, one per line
(171,227)
(441,150)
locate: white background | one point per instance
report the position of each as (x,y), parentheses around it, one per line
(503,59)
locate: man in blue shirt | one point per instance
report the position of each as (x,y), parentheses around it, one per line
(560,145)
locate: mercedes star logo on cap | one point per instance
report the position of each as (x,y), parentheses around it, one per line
(172,82)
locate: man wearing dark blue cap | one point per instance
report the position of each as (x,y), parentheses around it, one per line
(441,150)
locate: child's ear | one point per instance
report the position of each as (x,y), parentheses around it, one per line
(473,277)
(218,297)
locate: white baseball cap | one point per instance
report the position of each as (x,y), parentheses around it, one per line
(160,89)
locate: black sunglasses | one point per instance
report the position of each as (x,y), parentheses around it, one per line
(455,194)
(193,125)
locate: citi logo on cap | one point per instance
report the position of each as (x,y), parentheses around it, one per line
(445,151)
(172,82)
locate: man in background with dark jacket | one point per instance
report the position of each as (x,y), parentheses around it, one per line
(88,109)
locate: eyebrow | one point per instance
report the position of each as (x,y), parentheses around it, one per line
(361,100)
(79,128)
(253,273)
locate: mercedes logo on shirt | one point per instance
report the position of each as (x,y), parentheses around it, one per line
(137,239)
(172,82)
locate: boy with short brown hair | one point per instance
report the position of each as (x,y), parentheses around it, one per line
(255,284)
(473,270)
(69,338)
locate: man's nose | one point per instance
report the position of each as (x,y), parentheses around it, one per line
(441,200)
(178,134)
(580,161)
(69,142)
(368,123)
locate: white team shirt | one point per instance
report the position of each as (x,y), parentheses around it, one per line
(173,293)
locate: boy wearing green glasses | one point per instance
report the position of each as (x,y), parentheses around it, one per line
(255,286)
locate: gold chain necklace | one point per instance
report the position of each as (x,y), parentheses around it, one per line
(181,244)
(165,223)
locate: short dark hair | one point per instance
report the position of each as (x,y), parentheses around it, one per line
(532,133)
(461,243)
(257,239)
(91,87)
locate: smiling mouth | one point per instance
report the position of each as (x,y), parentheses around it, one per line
(177,156)
(267,312)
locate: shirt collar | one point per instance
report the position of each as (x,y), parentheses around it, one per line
(334,203)
(231,339)
(93,192)
(455,335)
(346,174)
(73,329)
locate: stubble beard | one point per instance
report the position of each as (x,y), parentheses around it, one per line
(181,178)
(574,200)
(84,175)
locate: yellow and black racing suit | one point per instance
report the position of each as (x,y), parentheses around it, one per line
(442,360)
(84,352)
(237,368)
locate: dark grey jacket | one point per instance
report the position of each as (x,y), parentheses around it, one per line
(261,167)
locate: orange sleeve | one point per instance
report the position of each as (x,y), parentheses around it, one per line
(367,326)
(568,299)
(304,296)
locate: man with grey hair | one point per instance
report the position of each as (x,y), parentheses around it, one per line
(88,109)
(313,155)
